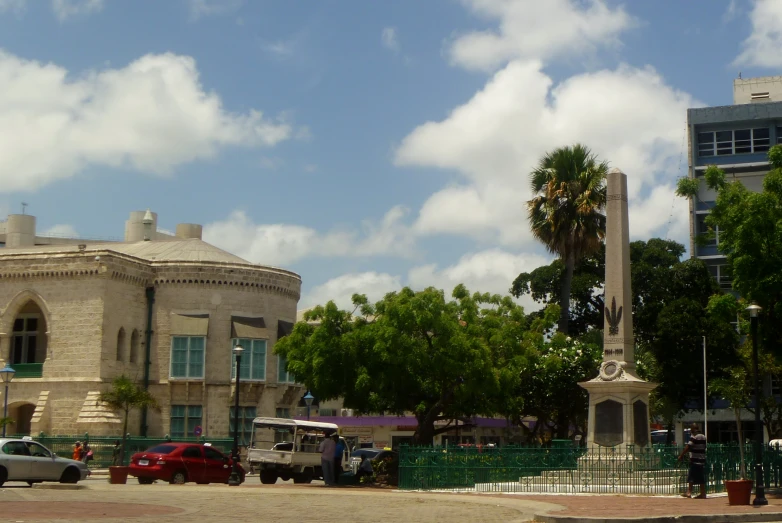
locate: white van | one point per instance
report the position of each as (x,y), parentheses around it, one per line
(288,449)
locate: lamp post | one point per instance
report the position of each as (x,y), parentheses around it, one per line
(760,493)
(7,374)
(308,400)
(234,479)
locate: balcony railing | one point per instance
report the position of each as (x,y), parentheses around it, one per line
(28,370)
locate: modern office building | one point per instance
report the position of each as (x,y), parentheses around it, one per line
(161,308)
(736,138)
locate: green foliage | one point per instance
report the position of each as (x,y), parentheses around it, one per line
(687,187)
(126,395)
(565,215)
(715,177)
(8,420)
(750,227)
(735,388)
(412,352)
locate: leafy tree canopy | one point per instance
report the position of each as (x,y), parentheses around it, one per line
(413,352)
(126,395)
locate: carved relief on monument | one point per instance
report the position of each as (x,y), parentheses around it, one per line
(640,423)
(614,317)
(609,423)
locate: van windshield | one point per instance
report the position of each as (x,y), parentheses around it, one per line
(286,438)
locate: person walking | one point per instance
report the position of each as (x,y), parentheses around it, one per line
(327,448)
(697,472)
(78,451)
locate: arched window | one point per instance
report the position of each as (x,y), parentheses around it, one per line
(121,344)
(134,346)
(29,340)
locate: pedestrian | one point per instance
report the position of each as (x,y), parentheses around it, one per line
(339,452)
(115,454)
(697,472)
(326,449)
(78,451)
(87,454)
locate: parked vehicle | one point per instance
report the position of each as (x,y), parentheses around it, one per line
(27,460)
(659,437)
(288,449)
(372,455)
(180,463)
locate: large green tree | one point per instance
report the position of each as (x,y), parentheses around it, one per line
(565,213)
(750,235)
(413,352)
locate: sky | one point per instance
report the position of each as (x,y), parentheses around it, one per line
(365,145)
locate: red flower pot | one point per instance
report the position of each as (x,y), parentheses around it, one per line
(118,475)
(739,491)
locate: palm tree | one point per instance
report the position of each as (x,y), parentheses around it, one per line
(124,396)
(565,213)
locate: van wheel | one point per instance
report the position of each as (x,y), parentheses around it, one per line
(268,477)
(304,477)
(179,478)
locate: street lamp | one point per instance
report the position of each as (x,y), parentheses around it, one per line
(7,374)
(234,479)
(760,494)
(308,400)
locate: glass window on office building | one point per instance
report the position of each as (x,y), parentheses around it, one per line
(708,237)
(184,420)
(740,141)
(779,134)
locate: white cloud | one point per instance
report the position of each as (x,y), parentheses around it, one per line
(532,29)
(730,12)
(494,140)
(491,271)
(61,231)
(763,48)
(64,9)
(152,115)
(283,244)
(342,288)
(389,39)
(15,6)
(200,8)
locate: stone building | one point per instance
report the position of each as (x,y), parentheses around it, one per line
(164,309)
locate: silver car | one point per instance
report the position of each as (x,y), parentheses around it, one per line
(27,460)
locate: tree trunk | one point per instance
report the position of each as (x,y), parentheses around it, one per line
(424,433)
(563,426)
(742,464)
(124,438)
(564,296)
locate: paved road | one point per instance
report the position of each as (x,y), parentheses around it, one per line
(282,503)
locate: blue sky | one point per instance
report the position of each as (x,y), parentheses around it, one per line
(364,145)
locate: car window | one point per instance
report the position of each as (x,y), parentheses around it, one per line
(161,449)
(212,454)
(16,448)
(192,452)
(38,450)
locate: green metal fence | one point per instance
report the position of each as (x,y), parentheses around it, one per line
(103,446)
(645,470)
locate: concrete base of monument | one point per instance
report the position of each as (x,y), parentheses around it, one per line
(618,408)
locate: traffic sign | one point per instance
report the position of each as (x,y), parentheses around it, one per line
(197,430)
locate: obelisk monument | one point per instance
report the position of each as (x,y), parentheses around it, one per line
(618,398)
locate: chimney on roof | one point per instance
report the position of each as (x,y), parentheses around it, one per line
(189,231)
(147,222)
(142,225)
(20,230)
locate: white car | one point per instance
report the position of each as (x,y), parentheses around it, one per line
(27,460)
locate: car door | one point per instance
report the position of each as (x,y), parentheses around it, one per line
(193,460)
(18,460)
(216,466)
(43,466)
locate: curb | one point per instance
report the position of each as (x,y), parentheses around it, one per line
(57,486)
(689,518)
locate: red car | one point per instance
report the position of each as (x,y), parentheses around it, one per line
(182,462)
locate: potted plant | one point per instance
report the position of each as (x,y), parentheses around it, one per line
(735,389)
(124,396)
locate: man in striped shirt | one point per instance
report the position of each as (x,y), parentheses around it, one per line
(697,473)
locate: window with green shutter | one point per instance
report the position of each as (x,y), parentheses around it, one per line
(187,356)
(246,417)
(184,420)
(253,359)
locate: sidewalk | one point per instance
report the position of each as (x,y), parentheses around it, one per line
(659,509)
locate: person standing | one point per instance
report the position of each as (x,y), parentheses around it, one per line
(327,448)
(697,471)
(339,451)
